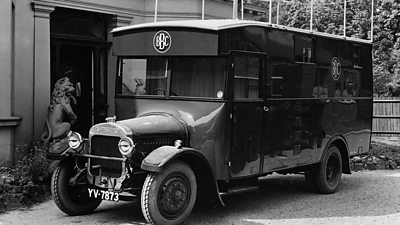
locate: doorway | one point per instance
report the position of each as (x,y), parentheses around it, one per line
(76,63)
(79,50)
(85,66)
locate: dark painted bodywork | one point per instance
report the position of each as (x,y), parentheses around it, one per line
(299,111)
(205,123)
(140,42)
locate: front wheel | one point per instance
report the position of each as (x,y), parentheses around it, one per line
(71,199)
(327,175)
(168,197)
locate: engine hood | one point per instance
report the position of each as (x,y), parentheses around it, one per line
(155,124)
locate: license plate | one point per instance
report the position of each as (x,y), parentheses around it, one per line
(103,194)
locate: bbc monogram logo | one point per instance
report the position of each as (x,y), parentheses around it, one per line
(162,41)
(335,68)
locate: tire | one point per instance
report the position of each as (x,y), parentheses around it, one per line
(72,200)
(168,197)
(327,175)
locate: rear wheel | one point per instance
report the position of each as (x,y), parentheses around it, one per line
(168,197)
(325,177)
(71,199)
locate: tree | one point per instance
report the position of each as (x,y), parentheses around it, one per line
(386,49)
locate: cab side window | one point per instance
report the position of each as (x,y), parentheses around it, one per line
(356,56)
(247,72)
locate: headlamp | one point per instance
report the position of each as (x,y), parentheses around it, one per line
(74,140)
(126,146)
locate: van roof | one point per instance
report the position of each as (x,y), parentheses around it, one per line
(223,24)
(214,25)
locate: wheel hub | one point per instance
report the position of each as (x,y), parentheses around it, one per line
(173,196)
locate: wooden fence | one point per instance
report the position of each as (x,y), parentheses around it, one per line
(386,116)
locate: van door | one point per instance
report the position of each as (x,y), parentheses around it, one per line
(247,77)
(290,123)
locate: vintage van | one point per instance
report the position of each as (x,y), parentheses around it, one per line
(204,108)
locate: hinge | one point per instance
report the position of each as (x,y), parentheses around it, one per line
(230,116)
(229,163)
(233,65)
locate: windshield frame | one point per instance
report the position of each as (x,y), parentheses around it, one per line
(119,77)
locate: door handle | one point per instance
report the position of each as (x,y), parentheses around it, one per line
(265,108)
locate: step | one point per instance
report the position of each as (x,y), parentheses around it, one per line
(238,190)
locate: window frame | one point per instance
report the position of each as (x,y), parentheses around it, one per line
(118,83)
(262,87)
(356,60)
(313,53)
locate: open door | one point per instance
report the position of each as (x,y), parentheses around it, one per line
(85,67)
(79,51)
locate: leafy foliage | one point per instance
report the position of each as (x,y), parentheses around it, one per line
(32,168)
(26,183)
(387,48)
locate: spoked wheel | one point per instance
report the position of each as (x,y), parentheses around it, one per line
(168,197)
(325,178)
(71,199)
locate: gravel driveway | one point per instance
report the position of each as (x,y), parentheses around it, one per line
(366,197)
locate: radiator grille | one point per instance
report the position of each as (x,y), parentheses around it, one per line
(106,146)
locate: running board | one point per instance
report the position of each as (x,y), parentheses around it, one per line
(238,190)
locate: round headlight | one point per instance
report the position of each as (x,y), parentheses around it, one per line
(126,146)
(74,140)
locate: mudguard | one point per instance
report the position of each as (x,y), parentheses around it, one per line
(208,190)
(59,156)
(341,143)
(83,149)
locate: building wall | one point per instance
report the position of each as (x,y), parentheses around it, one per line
(25,66)
(23,80)
(5,81)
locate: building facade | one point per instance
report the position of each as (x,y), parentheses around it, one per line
(44,40)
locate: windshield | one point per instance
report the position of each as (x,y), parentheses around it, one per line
(183,76)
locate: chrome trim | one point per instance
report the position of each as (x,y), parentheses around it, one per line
(80,139)
(110,130)
(131,148)
(101,157)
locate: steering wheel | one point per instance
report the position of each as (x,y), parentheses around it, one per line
(156,90)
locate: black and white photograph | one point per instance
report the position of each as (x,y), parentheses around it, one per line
(197,112)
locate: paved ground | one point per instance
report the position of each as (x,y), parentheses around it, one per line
(367,197)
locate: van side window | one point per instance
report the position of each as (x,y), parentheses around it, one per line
(201,77)
(292,80)
(356,56)
(194,77)
(303,49)
(246,74)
